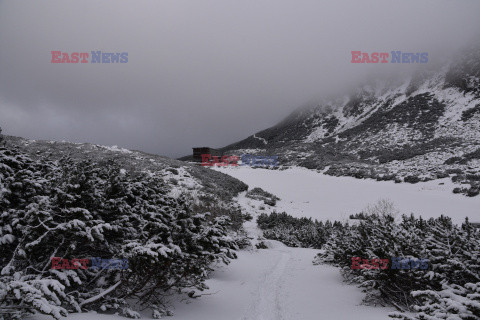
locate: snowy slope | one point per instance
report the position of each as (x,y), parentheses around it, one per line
(388,130)
(307,193)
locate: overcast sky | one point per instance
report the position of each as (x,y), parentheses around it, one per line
(199,73)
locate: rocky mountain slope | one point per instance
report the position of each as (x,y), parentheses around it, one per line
(424,127)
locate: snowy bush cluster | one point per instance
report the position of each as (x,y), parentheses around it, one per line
(82,209)
(260,194)
(448,289)
(296,232)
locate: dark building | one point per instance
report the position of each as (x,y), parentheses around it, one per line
(197,153)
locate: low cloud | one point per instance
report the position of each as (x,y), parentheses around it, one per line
(200,73)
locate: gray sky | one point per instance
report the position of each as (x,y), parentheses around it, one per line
(200,73)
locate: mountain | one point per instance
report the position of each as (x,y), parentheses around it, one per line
(421,128)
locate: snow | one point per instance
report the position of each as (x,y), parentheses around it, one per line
(274,284)
(115,149)
(239,152)
(270,284)
(261,139)
(281,282)
(317,134)
(309,193)
(185,181)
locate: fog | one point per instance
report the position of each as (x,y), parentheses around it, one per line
(201,73)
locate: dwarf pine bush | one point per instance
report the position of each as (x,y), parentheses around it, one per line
(449,286)
(452,251)
(84,209)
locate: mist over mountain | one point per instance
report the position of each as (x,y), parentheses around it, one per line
(207,73)
(423,126)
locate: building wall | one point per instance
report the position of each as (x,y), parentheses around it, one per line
(197,152)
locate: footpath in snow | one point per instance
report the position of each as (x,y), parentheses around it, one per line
(279,283)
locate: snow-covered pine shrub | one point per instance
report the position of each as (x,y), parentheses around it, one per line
(452,302)
(295,232)
(215,209)
(24,203)
(219,208)
(222,185)
(174,255)
(372,237)
(453,253)
(260,194)
(83,210)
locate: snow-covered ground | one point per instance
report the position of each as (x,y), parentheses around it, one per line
(281,283)
(308,193)
(278,283)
